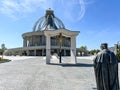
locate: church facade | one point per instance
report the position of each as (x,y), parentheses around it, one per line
(49,36)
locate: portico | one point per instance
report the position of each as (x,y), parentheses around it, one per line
(72,35)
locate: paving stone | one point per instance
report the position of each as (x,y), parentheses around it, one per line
(34,74)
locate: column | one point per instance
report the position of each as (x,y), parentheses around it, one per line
(57,52)
(24,42)
(27,52)
(42,39)
(42,52)
(20,52)
(28,42)
(64,52)
(47,49)
(35,52)
(32,40)
(73,49)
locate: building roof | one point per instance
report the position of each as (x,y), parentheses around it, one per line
(112,49)
(48,22)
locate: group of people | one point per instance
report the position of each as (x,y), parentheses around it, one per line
(106,69)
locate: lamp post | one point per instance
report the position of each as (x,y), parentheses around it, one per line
(60,46)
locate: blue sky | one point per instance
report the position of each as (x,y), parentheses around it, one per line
(97,20)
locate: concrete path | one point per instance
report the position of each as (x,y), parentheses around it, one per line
(34,74)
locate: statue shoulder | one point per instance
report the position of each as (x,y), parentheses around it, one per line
(101,52)
(98,55)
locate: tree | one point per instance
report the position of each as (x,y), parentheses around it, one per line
(94,51)
(0,51)
(84,48)
(3,48)
(118,52)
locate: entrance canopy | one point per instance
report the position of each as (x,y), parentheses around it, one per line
(64,32)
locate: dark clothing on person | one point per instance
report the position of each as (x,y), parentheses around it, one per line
(106,70)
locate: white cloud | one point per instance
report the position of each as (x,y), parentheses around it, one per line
(82,9)
(8,8)
(72,9)
(13,8)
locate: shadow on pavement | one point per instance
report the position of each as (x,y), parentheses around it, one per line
(94,88)
(72,65)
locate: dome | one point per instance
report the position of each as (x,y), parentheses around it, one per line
(48,22)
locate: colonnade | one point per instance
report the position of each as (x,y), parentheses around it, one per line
(34,40)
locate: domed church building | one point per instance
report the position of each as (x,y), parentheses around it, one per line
(49,36)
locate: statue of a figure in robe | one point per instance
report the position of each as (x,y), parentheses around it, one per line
(106,69)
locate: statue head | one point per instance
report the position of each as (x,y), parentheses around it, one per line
(104,46)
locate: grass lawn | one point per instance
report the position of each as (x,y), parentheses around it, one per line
(4,60)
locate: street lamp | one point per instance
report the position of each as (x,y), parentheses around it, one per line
(60,46)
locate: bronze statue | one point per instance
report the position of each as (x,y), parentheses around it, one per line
(106,69)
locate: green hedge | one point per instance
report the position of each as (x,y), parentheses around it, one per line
(4,60)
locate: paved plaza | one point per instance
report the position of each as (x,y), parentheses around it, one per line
(32,73)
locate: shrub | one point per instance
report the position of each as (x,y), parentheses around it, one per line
(118,53)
